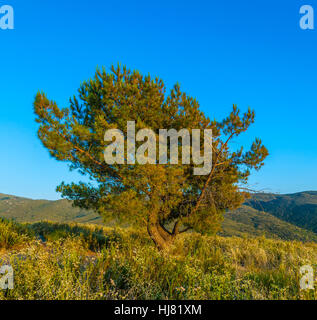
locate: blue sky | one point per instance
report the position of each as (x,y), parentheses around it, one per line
(251,53)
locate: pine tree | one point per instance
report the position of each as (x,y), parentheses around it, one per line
(164,198)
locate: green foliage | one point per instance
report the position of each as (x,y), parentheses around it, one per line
(251,222)
(128,266)
(28,210)
(298,208)
(12,234)
(240,222)
(93,236)
(155,194)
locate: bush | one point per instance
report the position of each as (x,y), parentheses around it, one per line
(12,234)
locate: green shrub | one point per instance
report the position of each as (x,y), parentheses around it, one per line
(12,234)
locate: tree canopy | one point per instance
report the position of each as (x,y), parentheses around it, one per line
(167,199)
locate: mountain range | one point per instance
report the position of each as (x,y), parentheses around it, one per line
(287,217)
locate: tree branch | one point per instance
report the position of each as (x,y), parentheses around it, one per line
(210,175)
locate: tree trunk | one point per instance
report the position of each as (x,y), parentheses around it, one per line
(161,237)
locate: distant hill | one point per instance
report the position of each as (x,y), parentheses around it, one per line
(249,221)
(287,217)
(299,209)
(28,210)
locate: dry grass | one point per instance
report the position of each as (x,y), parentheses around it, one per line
(61,261)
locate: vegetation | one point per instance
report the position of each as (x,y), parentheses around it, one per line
(28,210)
(60,261)
(251,222)
(152,194)
(13,234)
(245,221)
(179,210)
(299,208)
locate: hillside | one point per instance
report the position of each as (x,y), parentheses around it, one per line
(299,209)
(249,219)
(27,210)
(88,262)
